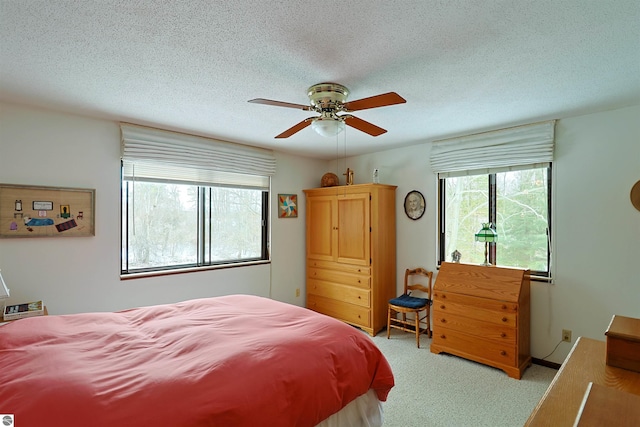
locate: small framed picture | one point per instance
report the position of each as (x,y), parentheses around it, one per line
(414,204)
(287,205)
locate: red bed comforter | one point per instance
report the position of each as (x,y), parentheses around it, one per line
(228,361)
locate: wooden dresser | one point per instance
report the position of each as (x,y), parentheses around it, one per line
(483,314)
(351,253)
(586,363)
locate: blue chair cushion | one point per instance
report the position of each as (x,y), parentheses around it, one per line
(408,301)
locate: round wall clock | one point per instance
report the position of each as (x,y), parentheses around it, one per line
(414,204)
(635,195)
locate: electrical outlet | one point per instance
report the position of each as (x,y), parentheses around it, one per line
(566,335)
(298,294)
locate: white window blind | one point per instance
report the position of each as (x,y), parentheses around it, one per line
(520,147)
(155,154)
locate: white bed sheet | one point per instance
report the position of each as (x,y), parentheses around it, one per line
(364,411)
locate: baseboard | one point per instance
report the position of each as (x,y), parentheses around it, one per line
(546,363)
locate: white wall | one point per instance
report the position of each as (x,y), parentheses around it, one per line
(597,230)
(40,147)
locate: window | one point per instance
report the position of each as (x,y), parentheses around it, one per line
(188,202)
(517,203)
(503,178)
(167,225)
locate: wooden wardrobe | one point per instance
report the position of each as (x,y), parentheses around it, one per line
(351,253)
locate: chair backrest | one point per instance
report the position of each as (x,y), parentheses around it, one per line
(413,281)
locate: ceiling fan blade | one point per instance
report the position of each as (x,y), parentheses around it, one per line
(364,126)
(297,128)
(280,104)
(390,98)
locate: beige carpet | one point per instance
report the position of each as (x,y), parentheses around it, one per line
(443,390)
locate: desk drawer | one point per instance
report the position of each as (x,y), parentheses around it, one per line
(482,309)
(492,331)
(336,291)
(473,347)
(349,313)
(483,303)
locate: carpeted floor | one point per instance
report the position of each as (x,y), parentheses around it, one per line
(440,390)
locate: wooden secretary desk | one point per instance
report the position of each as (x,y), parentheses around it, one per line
(482,313)
(351,253)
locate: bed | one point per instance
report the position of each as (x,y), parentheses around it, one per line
(236,360)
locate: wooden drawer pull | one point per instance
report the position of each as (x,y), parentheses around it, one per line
(504,319)
(503,335)
(444,297)
(503,353)
(442,307)
(504,307)
(444,337)
(443,320)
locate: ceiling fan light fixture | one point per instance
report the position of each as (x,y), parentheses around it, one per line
(327,126)
(329,99)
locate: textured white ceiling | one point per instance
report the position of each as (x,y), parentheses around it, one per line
(462,66)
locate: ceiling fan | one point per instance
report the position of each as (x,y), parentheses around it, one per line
(329,99)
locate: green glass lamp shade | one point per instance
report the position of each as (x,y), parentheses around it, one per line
(486,234)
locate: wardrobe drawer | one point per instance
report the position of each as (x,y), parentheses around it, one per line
(492,331)
(349,313)
(331,265)
(465,345)
(361,281)
(350,294)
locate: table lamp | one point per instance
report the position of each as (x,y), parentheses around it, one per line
(486,235)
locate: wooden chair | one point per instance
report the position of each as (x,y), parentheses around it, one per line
(406,303)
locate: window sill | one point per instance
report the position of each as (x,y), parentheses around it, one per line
(131,276)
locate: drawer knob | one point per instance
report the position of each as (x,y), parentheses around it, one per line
(504,319)
(444,297)
(359,297)
(504,307)
(444,337)
(442,307)
(443,320)
(359,281)
(503,353)
(503,335)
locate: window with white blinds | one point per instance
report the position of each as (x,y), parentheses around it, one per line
(190,202)
(502,178)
